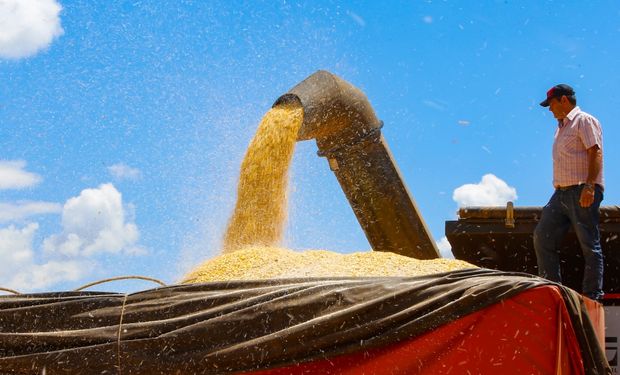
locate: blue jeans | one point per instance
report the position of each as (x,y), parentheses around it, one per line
(562,211)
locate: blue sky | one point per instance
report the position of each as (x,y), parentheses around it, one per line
(123,123)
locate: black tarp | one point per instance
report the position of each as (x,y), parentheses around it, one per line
(240,326)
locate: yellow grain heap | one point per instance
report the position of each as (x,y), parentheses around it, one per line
(257,262)
(260,212)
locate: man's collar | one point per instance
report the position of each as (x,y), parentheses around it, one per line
(574,112)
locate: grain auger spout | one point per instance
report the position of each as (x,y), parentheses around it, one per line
(347,132)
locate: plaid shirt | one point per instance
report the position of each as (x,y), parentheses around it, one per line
(578,132)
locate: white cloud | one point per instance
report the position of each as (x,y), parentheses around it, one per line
(28,26)
(16,248)
(21,210)
(41,276)
(445,249)
(122,171)
(18,269)
(13,175)
(490,191)
(94,222)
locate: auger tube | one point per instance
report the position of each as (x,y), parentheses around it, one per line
(347,132)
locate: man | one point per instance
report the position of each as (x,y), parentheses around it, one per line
(578,183)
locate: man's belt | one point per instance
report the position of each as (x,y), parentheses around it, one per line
(568,187)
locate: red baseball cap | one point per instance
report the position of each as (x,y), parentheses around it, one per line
(558,91)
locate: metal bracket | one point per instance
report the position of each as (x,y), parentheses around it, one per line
(510,215)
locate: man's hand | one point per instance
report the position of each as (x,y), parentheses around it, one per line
(587,196)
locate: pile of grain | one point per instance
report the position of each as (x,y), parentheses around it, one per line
(257,262)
